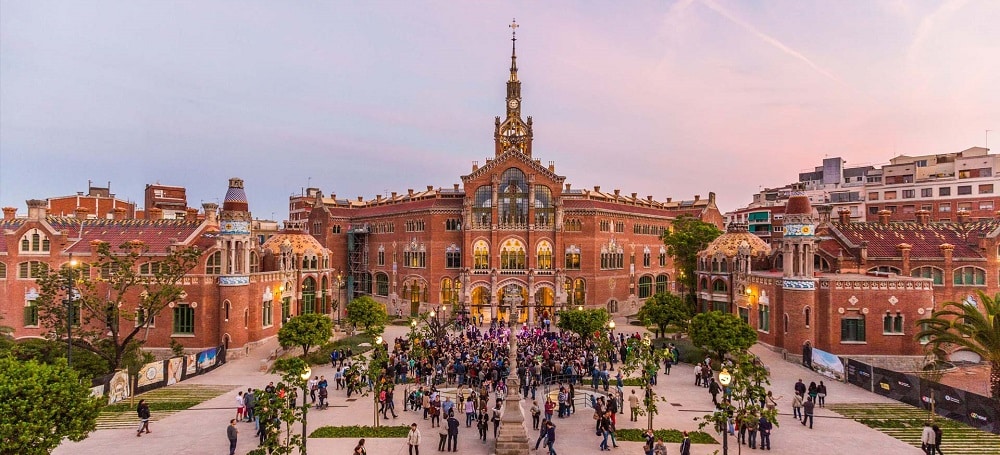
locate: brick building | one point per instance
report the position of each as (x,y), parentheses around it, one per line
(850,288)
(238,295)
(98,202)
(514,233)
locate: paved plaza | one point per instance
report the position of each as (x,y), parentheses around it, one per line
(202,429)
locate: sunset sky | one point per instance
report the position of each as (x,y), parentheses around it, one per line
(662,98)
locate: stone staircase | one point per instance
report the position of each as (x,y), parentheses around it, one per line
(178,397)
(905,422)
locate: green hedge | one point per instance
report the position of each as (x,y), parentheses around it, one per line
(634,434)
(321,354)
(360,432)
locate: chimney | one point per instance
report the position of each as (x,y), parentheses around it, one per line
(844,216)
(191,214)
(947,250)
(884,216)
(617,193)
(361,199)
(154,213)
(455,187)
(211,213)
(963,216)
(670,199)
(711,196)
(923,217)
(597,189)
(118,213)
(552,166)
(409,192)
(824,213)
(394,195)
(430,187)
(378,198)
(569,186)
(697,197)
(649,198)
(9,213)
(81,213)
(904,250)
(634,195)
(36,209)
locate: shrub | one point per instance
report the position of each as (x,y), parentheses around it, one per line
(670,436)
(322,354)
(360,432)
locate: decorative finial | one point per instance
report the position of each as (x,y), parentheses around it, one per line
(513,49)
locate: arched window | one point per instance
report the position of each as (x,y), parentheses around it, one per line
(820,264)
(246,318)
(453,257)
(32,269)
(704,284)
(226,306)
(308,295)
(513,195)
(34,241)
(254,263)
(213,266)
(572,257)
(662,284)
(934,273)
(719,286)
(3,271)
(481,255)
(785,322)
(324,285)
(544,255)
(724,265)
(885,269)
(663,257)
(449,291)
(715,265)
(970,276)
(645,287)
(576,291)
(544,210)
(808,312)
(482,207)
(512,255)
(381,284)
(764,317)
(892,324)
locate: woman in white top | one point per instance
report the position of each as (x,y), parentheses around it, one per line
(413,439)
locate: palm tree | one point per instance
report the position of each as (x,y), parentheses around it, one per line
(966,326)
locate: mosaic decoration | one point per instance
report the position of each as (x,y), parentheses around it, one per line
(799,230)
(238,280)
(728,244)
(300,243)
(798,284)
(234,228)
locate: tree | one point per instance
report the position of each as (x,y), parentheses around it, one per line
(721,333)
(647,361)
(120,292)
(665,309)
(964,325)
(685,238)
(586,322)
(744,396)
(305,330)
(368,313)
(41,405)
(280,407)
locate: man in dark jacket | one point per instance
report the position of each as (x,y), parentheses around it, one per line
(808,407)
(143,411)
(713,388)
(686,445)
(452,432)
(765,426)
(550,436)
(231,433)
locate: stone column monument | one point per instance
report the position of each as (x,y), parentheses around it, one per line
(513,440)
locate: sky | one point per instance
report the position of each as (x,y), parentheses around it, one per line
(661,98)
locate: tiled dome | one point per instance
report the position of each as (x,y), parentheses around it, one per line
(798,204)
(300,243)
(728,244)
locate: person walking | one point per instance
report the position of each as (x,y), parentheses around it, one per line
(484,424)
(240,405)
(452,432)
(549,407)
(937,438)
(686,445)
(821,394)
(633,405)
(927,439)
(249,401)
(797,406)
(535,413)
(550,437)
(800,388)
(813,390)
(697,374)
(714,389)
(765,426)
(808,407)
(360,448)
(470,412)
(413,439)
(496,420)
(231,433)
(541,434)
(142,410)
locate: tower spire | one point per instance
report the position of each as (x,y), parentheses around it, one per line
(513,50)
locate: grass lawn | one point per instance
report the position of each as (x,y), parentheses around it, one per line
(360,432)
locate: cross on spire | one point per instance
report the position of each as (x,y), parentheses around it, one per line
(513,49)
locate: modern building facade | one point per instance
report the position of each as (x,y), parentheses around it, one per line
(98,202)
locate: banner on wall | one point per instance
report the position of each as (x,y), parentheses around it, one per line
(151,373)
(898,386)
(859,374)
(97,391)
(982,412)
(192,364)
(118,389)
(206,359)
(827,364)
(175,370)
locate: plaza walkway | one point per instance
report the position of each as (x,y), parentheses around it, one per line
(202,429)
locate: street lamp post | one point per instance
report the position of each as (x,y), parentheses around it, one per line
(376,355)
(305,406)
(725,379)
(340,283)
(69,309)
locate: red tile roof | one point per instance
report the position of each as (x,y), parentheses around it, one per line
(883,239)
(156,234)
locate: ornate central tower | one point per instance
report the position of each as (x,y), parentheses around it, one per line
(513,133)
